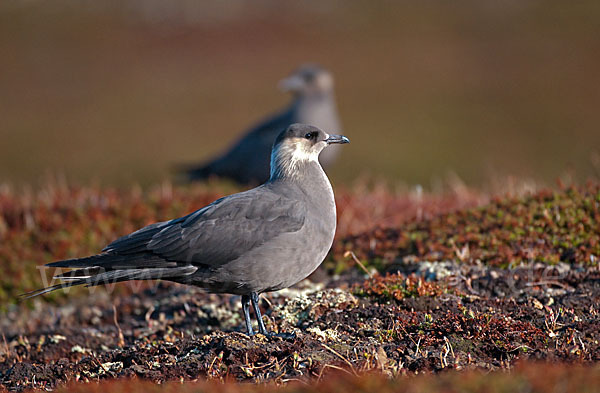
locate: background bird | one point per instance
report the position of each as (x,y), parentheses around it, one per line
(247,161)
(261,240)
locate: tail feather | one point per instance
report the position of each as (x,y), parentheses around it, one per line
(42,291)
(111,261)
(79,274)
(91,277)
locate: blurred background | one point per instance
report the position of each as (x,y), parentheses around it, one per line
(117,91)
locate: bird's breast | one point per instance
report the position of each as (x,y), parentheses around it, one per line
(322,212)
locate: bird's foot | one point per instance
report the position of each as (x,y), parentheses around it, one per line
(253,298)
(282,335)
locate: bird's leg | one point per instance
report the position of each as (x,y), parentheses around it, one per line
(261,326)
(246,310)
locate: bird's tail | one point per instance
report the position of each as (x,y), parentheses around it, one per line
(95,275)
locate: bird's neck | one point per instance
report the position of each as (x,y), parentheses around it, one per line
(304,173)
(290,163)
(307,177)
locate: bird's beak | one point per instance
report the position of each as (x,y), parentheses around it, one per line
(291,83)
(337,139)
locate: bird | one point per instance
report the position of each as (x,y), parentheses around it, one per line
(257,241)
(247,160)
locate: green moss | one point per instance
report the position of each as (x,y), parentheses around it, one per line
(548,227)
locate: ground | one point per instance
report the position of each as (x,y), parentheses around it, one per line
(416,283)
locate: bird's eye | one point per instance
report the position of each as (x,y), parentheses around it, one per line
(311,135)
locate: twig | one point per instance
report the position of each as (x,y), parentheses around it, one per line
(6,347)
(253,367)
(295,380)
(332,366)
(99,363)
(581,342)
(519,347)
(450,347)
(210,368)
(121,341)
(341,357)
(148,316)
(266,299)
(358,262)
(409,337)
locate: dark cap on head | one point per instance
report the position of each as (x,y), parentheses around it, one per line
(305,131)
(309,133)
(299,144)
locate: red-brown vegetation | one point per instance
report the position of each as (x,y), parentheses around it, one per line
(452,283)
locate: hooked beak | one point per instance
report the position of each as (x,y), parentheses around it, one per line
(291,83)
(337,139)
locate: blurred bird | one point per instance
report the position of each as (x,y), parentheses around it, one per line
(261,240)
(247,161)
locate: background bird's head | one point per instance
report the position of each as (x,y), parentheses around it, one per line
(298,145)
(308,79)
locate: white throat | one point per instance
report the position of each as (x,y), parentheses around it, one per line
(288,157)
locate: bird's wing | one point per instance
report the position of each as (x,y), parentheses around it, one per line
(218,233)
(254,145)
(246,160)
(268,130)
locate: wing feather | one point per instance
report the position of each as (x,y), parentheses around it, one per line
(247,160)
(216,234)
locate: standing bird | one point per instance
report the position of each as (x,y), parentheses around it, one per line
(247,161)
(261,240)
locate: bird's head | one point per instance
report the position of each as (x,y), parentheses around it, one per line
(308,79)
(298,145)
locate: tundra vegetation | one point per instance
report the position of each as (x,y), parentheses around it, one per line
(451,283)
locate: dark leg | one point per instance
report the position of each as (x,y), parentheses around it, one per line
(261,326)
(246,310)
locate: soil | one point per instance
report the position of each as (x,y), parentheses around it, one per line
(478,318)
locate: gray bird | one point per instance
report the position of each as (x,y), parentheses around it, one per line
(261,240)
(247,161)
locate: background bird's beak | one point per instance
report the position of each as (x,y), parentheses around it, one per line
(337,139)
(291,83)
